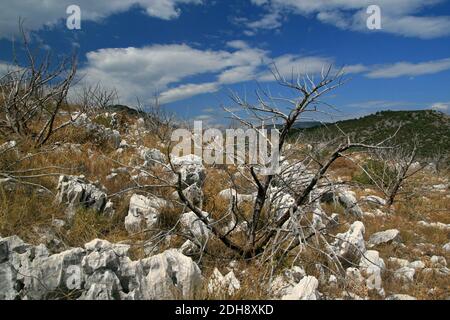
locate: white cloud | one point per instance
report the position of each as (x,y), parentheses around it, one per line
(269,21)
(170,69)
(187,90)
(401,17)
(401,69)
(6,67)
(179,71)
(383,104)
(140,72)
(37,13)
(291,65)
(441,106)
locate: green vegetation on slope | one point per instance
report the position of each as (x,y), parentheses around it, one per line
(430,128)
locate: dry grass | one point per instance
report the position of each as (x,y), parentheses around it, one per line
(24,210)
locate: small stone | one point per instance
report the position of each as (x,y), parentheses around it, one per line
(383,237)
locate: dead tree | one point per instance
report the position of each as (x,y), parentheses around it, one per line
(33,95)
(157,120)
(91,99)
(389,170)
(266,222)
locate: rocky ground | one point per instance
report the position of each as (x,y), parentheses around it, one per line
(96,220)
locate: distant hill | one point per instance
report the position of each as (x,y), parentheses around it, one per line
(307,124)
(432,129)
(122,109)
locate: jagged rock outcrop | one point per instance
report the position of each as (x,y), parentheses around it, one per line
(143,213)
(306,289)
(345,198)
(350,246)
(372,267)
(171,275)
(97,130)
(219,283)
(293,174)
(194,194)
(151,156)
(191,169)
(192,225)
(76,192)
(348,200)
(279,201)
(405,274)
(100,270)
(283,283)
(232,195)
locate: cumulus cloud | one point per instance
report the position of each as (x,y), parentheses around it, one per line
(140,72)
(38,14)
(400,69)
(400,17)
(187,90)
(269,21)
(178,71)
(171,69)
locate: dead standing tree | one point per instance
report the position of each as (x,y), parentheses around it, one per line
(261,234)
(33,95)
(389,169)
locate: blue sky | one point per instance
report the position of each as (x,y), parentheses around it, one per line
(193,52)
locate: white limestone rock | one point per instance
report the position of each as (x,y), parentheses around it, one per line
(191,169)
(194,226)
(306,289)
(284,283)
(219,283)
(384,237)
(56,274)
(100,271)
(405,274)
(399,262)
(171,274)
(399,296)
(417,265)
(374,200)
(348,200)
(438,262)
(232,195)
(143,213)
(350,246)
(446,247)
(372,267)
(102,285)
(152,156)
(76,192)
(353,276)
(437,225)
